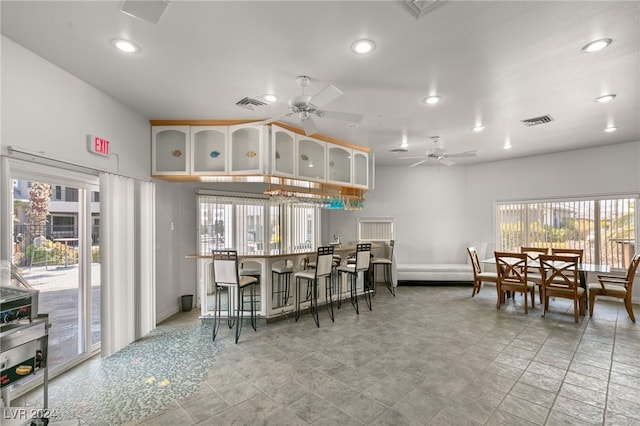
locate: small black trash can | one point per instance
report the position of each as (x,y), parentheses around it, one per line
(187,302)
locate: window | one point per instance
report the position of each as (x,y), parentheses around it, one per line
(375,229)
(70,194)
(604,228)
(257,225)
(63,226)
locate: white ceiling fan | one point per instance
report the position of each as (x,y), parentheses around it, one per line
(440,155)
(305,107)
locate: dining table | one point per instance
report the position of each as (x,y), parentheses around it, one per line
(583,271)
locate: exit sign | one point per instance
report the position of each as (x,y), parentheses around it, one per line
(98,145)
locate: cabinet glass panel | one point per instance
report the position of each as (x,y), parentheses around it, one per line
(360,168)
(311,161)
(209,150)
(245,149)
(171,150)
(283,153)
(339,169)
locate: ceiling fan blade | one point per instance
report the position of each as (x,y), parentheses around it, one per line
(326,95)
(418,163)
(446,162)
(412,158)
(309,126)
(343,116)
(272,119)
(463,154)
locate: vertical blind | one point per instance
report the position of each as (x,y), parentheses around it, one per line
(604,228)
(257,226)
(375,229)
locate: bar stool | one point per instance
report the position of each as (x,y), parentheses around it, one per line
(311,276)
(386,263)
(225,274)
(363,260)
(280,282)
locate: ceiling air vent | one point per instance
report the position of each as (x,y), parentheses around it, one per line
(419,8)
(147,10)
(537,120)
(250,103)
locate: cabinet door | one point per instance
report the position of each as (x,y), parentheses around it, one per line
(283,152)
(339,164)
(360,168)
(246,149)
(311,158)
(209,148)
(170,150)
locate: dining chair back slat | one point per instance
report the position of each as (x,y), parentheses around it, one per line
(560,279)
(513,276)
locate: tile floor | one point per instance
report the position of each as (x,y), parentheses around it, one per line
(430,356)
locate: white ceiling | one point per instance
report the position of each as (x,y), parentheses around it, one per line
(492,62)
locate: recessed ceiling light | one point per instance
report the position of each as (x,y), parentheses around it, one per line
(363,46)
(596,45)
(270,98)
(605,98)
(125,45)
(478,128)
(610,129)
(432,100)
(405,143)
(507,144)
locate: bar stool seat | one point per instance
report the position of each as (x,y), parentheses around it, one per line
(323,268)
(387,264)
(362,263)
(281,282)
(226,275)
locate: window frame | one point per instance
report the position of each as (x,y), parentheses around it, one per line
(554,215)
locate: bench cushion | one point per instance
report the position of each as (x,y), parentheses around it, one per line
(435,272)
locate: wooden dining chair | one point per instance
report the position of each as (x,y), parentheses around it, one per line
(568,252)
(616,286)
(513,276)
(534,273)
(560,279)
(478,275)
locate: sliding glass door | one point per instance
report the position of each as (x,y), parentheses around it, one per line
(56,246)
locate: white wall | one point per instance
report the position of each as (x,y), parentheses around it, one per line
(429,207)
(175,275)
(46,109)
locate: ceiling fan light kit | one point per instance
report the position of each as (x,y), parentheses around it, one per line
(305,107)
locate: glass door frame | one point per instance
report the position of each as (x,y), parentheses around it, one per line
(85,183)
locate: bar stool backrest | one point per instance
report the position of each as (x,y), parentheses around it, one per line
(363,256)
(225,267)
(324,261)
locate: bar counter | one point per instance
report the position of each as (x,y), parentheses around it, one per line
(270,307)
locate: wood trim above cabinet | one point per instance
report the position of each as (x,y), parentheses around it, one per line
(234,122)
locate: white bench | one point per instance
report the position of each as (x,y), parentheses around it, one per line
(441,272)
(460,272)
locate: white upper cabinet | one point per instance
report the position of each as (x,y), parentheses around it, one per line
(283,152)
(311,158)
(247,149)
(170,150)
(360,168)
(246,143)
(210,150)
(339,164)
